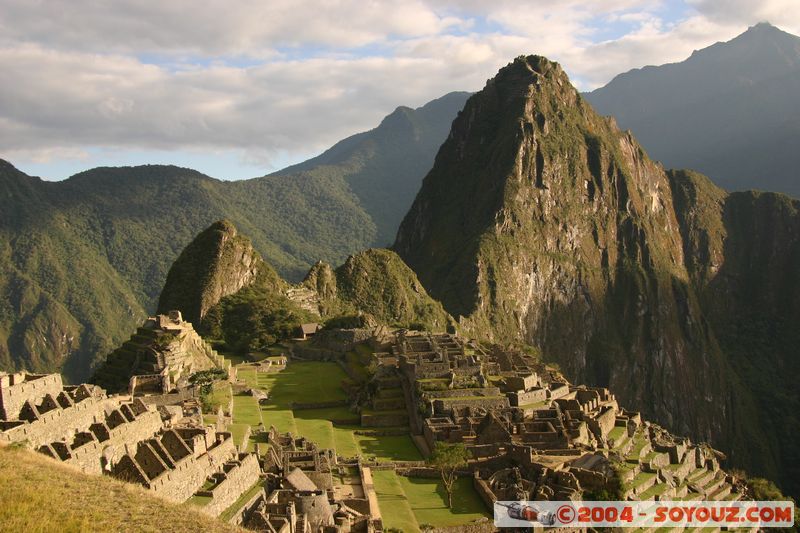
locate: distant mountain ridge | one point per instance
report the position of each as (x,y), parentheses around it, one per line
(407,139)
(729,111)
(82,261)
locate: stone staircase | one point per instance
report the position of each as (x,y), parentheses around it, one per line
(388,405)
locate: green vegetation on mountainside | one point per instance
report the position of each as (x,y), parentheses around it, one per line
(377,282)
(82,261)
(374,283)
(384,167)
(254,319)
(217,263)
(220,283)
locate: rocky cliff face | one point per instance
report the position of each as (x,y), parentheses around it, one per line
(743,252)
(217,263)
(541,221)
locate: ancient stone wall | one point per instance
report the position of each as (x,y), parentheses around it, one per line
(109,445)
(522,383)
(385,419)
(527,397)
(484,491)
(603,423)
(173,398)
(369,493)
(558,391)
(236,481)
(17,388)
(180,483)
(444,405)
(432,370)
(341,340)
(254,501)
(242,444)
(56,423)
(464,393)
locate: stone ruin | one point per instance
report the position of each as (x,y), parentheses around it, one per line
(532,433)
(300,494)
(124,437)
(288,488)
(159,358)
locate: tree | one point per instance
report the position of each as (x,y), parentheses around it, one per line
(447,458)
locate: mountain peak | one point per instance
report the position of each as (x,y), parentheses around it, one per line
(532,69)
(764,31)
(763,28)
(728,111)
(754,40)
(218,262)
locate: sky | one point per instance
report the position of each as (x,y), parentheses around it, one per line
(240,88)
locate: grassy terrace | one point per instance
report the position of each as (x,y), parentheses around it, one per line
(408,503)
(471,398)
(228,513)
(639,442)
(220,395)
(619,435)
(330,427)
(641,478)
(656,490)
(616,433)
(536,405)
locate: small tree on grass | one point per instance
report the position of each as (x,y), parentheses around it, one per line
(447,458)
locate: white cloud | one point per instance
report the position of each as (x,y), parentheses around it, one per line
(782,13)
(214,27)
(282,77)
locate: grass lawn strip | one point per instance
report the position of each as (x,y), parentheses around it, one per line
(387,448)
(395,509)
(228,513)
(405,503)
(428,501)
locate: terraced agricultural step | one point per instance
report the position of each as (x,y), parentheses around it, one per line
(657,491)
(389,404)
(715,483)
(720,494)
(643,481)
(640,447)
(732,497)
(147,368)
(620,438)
(693,497)
(384,418)
(389,383)
(396,392)
(383,431)
(700,477)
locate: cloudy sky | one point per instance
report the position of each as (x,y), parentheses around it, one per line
(238,88)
